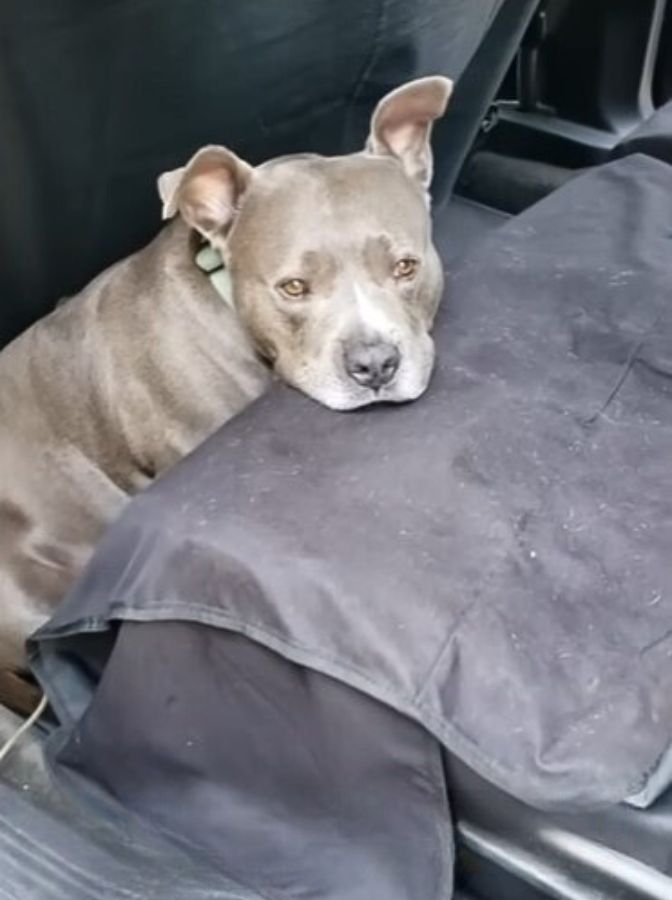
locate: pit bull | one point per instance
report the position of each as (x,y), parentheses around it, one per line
(328,280)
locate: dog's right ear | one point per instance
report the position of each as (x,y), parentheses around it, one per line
(207,191)
(401,125)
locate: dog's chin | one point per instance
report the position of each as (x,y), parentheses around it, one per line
(341,397)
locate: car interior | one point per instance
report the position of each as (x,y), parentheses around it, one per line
(552,98)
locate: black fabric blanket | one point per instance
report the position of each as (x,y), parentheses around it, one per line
(271,646)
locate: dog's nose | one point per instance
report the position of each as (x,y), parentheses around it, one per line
(371,365)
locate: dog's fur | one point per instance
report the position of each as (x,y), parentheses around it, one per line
(123,380)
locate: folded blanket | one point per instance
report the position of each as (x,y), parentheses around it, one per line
(292,623)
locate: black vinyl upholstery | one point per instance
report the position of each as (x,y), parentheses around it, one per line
(653,137)
(96,99)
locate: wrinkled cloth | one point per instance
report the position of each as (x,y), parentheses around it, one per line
(486,571)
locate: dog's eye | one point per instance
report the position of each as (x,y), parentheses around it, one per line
(294,288)
(405,268)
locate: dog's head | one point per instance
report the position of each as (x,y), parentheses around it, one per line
(333,268)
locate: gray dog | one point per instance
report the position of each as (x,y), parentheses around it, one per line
(328,280)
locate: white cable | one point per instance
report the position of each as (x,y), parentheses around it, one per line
(7,747)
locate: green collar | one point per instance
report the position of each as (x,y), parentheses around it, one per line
(209,260)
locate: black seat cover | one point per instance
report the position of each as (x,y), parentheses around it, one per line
(490,563)
(97,99)
(653,137)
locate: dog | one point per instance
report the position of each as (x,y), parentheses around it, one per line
(329,281)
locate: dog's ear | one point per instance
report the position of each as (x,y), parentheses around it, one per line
(207,191)
(401,125)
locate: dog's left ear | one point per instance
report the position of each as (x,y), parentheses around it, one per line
(207,191)
(401,125)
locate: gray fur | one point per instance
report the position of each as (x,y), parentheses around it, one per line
(120,382)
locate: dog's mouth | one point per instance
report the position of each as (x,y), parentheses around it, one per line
(333,381)
(350,397)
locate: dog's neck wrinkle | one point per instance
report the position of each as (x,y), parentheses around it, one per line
(204,330)
(186,367)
